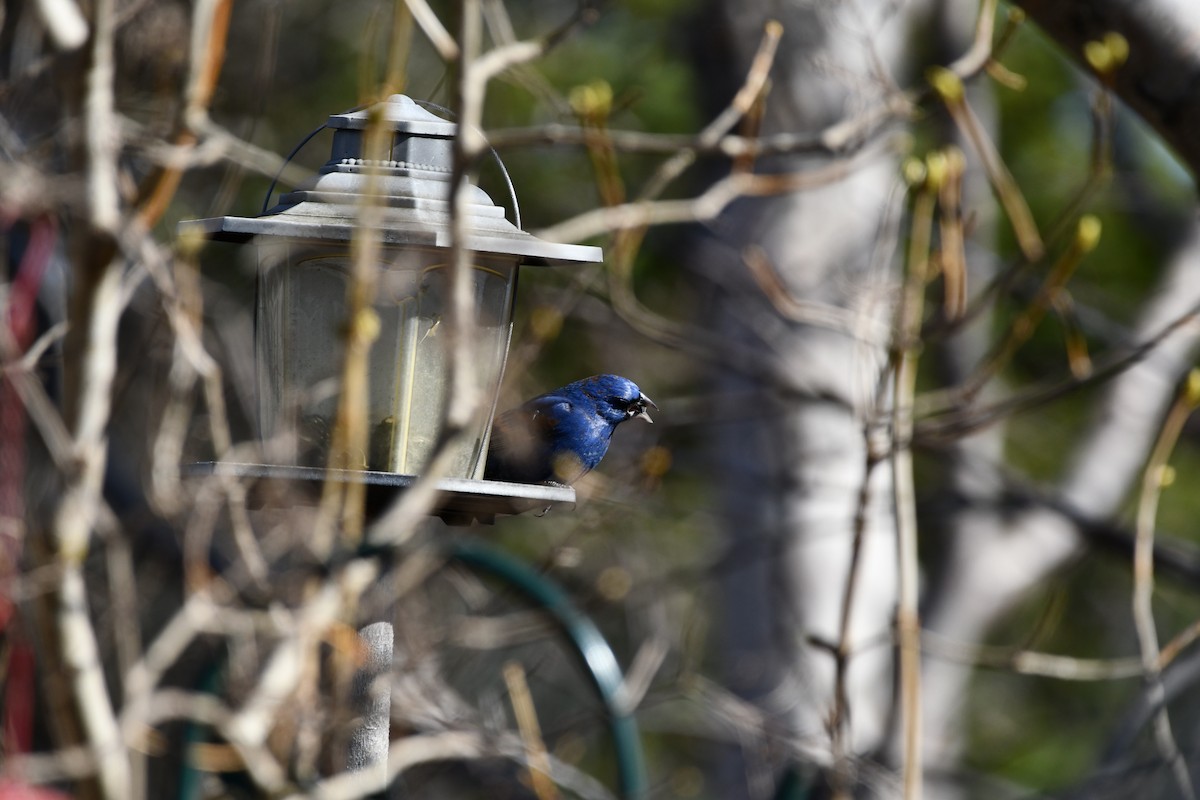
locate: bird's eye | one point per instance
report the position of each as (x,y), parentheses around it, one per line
(619,402)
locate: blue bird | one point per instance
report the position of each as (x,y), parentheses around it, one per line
(558,437)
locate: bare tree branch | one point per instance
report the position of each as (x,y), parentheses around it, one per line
(64,21)
(1143,578)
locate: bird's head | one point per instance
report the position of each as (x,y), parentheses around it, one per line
(617,398)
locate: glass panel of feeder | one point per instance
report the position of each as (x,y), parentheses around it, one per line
(302,311)
(492,285)
(495,291)
(269,337)
(393,360)
(310,361)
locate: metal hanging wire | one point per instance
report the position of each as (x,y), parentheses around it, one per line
(426,104)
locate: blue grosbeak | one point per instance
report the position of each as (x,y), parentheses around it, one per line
(558,437)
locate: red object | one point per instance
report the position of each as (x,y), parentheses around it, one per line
(15,790)
(18,699)
(20,319)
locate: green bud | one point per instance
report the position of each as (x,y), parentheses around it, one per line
(936,166)
(913,170)
(1191,391)
(1087,233)
(1118,46)
(948,85)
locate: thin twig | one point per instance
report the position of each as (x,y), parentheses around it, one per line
(445,745)
(1086,238)
(464,400)
(741,104)
(840,717)
(64,22)
(247,730)
(980,53)
(96,309)
(1033,663)
(210,28)
(182,300)
(646,663)
(342,502)
(1052,665)
(438,36)
(949,87)
(530,730)
(628,238)
(1153,480)
(957,422)
(100,122)
(707,206)
(463,391)
(868,331)
(908,330)
(953,258)
(63,764)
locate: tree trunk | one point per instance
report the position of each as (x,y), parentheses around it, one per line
(793,460)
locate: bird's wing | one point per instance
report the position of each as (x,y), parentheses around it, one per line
(522,439)
(546,410)
(535,421)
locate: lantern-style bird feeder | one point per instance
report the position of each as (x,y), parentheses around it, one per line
(304,266)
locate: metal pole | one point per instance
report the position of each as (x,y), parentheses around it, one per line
(372,691)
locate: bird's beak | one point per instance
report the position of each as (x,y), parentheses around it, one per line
(644,401)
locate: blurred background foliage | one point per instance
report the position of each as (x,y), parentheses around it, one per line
(643,545)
